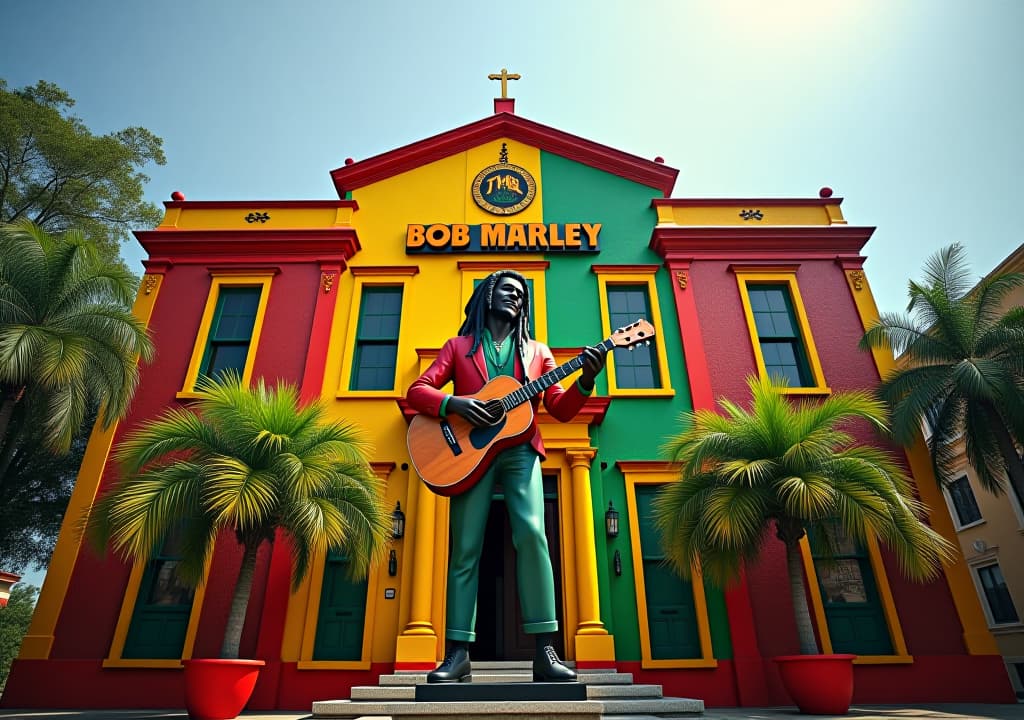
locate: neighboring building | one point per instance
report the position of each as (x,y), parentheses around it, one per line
(351,298)
(991,533)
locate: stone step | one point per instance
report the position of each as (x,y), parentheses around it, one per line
(591,677)
(382,693)
(509,710)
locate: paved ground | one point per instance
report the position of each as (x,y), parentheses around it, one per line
(866,712)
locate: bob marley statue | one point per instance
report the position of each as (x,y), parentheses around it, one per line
(494,340)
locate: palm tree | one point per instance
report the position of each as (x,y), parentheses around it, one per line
(68,339)
(794,466)
(965,370)
(247,461)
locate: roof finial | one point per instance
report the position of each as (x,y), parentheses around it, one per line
(504,76)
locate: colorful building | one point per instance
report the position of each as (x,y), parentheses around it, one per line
(990,529)
(349,299)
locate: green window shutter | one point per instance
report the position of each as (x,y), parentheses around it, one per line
(1000,602)
(849,593)
(779,335)
(635,367)
(380,314)
(162,609)
(339,626)
(671,613)
(234,317)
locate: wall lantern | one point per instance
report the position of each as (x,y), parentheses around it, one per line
(398,522)
(392,564)
(617,563)
(611,521)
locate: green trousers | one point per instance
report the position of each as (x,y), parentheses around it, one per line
(518,469)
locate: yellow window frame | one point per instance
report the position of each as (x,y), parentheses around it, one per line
(221,280)
(900,655)
(781,276)
(634,276)
(657,474)
(532,271)
(124,619)
(365,277)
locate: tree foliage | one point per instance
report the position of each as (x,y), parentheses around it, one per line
(964,369)
(795,467)
(249,461)
(55,172)
(69,344)
(14,622)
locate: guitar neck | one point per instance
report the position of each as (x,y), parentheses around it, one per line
(535,387)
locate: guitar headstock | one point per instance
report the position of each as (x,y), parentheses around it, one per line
(632,335)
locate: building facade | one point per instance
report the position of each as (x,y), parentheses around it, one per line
(990,529)
(350,299)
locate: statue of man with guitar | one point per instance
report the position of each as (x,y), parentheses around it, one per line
(485,432)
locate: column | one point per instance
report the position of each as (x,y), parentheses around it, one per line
(416,648)
(594,646)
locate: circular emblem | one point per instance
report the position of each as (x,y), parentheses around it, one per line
(504,189)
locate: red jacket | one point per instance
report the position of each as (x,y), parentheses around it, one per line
(470,374)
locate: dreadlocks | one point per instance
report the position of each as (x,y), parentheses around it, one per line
(480,303)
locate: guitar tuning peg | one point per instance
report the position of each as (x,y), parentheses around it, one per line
(647,342)
(631,347)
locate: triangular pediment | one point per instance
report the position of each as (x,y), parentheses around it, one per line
(504,125)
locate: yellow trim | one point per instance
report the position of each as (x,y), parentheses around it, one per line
(39,639)
(772,276)
(538,297)
(379,278)
(634,276)
(652,476)
(256,279)
(124,620)
(892,619)
(977,637)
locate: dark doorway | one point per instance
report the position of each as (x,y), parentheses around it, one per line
(499,620)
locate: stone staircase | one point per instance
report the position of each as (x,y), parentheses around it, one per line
(609,695)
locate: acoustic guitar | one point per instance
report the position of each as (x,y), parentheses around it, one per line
(451,454)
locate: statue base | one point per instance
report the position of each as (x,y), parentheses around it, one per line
(483,692)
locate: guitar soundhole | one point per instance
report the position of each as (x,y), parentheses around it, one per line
(481,437)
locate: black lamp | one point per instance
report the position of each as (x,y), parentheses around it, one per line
(392,564)
(611,521)
(398,521)
(617,562)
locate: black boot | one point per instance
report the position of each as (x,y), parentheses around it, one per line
(546,665)
(455,666)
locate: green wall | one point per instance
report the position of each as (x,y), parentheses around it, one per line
(634,428)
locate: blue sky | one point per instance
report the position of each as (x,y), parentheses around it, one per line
(910,109)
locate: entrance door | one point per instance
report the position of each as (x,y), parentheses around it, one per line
(499,619)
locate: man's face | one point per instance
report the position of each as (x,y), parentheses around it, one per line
(507,300)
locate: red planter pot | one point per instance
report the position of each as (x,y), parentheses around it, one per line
(818,684)
(219,689)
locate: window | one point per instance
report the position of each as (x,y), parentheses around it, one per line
(1000,604)
(779,331)
(372,348)
(228,345)
(229,330)
(965,506)
(380,316)
(629,293)
(162,608)
(635,367)
(779,338)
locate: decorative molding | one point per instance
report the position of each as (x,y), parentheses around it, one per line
(260,217)
(682,278)
(751,214)
(149,284)
(857,278)
(327,281)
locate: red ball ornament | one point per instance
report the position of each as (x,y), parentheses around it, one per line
(825,192)
(177,196)
(349,161)
(659,159)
